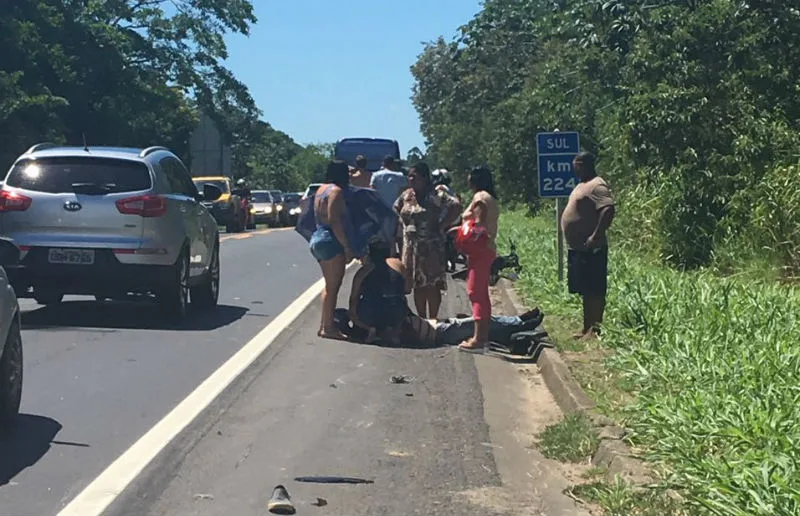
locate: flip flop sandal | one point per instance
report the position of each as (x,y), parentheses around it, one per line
(476,351)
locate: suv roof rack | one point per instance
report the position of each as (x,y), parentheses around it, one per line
(41,146)
(151,150)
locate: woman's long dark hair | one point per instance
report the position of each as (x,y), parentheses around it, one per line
(480,177)
(378,253)
(422,170)
(338,173)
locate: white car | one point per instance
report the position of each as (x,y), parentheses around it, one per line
(108,221)
(10,340)
(311,190)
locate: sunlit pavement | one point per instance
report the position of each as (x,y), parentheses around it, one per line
(99,375)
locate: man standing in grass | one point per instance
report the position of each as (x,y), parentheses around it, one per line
(586,218)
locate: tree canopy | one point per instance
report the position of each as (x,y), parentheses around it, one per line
(690,105)
(134,73)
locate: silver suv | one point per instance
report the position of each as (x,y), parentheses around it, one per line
(110,221)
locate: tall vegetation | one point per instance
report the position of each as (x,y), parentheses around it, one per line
(692,106)
(129,72)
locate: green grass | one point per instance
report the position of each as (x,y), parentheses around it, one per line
(711,367)
(620,499)
(572,440)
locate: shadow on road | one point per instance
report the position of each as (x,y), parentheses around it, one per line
(126,316)
(25,445)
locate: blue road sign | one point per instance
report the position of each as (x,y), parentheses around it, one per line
(556,152)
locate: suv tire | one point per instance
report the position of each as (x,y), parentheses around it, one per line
(11,377)
(47,297)
(206,295)
(174,297)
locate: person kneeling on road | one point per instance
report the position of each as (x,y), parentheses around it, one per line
(378,295)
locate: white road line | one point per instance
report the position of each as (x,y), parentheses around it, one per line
(102,492)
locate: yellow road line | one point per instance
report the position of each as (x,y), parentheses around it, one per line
(249,234)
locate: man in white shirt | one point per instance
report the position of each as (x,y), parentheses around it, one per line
(388,181)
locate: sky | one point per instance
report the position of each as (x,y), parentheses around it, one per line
(322,70)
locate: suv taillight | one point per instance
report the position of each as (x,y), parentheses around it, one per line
(12,201)
(143,205)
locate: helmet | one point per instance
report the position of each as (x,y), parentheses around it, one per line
(241,182)
(440,176)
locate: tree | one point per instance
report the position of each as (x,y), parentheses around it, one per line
(414,156)
(128,72)
(687,103)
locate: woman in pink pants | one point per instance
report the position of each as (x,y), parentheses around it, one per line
(485,211)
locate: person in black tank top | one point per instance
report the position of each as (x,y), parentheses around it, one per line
(378,296)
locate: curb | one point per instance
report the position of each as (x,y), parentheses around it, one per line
(612,453)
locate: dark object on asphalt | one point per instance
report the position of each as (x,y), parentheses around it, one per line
(334,480)
(341,318)
(525,344)
(400,379)
(280,502)
(509,261)
(321,502)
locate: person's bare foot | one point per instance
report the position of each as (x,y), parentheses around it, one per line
(467,343)
(579,335)
(590,335)
(332,334)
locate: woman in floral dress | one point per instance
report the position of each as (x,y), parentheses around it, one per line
(426,214)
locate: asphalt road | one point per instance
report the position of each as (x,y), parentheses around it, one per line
(98,376)
(324,407)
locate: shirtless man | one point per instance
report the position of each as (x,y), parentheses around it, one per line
(360,176)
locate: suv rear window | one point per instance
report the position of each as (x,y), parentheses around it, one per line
(61,175)
(219,183)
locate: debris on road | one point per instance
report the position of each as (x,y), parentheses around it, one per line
(400,379)
(203,496)
(280,502)
(333,480)
(321,502)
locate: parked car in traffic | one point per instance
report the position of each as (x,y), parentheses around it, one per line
(291,208)
(10,340)
(227,209)
(107,221)
(277,198)
(264,208)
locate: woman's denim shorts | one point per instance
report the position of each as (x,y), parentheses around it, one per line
(323,244)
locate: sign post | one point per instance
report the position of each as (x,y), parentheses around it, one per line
(556,151)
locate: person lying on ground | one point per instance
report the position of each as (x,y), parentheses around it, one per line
(378,294)
(453,331)
(447,332)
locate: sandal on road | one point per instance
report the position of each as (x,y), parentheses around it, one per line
(467,348)
(280,502)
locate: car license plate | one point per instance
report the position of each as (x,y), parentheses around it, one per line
(71,256)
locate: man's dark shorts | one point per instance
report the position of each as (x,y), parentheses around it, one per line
(587,272)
